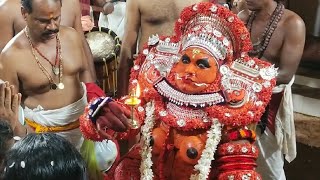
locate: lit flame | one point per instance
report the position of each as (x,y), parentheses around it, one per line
(138,92)
(133,98)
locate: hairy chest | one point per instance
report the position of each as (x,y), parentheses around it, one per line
(157,11)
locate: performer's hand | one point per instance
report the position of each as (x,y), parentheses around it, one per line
(114,117)
(9,104)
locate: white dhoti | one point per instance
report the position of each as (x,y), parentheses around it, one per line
(274,147)
(61,117)
(98,155)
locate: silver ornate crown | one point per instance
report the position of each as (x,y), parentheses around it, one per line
(207,41)
(210,33)
(168,46)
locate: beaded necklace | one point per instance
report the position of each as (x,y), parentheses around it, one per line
(44,70)
(55,65)
(261,46)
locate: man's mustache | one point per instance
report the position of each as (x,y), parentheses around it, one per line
(51,32)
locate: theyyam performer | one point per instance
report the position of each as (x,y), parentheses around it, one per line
(46,63)
(201,96)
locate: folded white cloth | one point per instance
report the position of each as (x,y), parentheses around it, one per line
(284,123)
(61,117)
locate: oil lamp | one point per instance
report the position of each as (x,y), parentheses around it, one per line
(132,101)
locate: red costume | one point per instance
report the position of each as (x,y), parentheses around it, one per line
(201,94)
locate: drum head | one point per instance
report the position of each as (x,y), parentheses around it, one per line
(104,44)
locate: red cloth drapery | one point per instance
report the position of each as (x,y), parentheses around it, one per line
(85,7)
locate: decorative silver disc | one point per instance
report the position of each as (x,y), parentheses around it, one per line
(61,86)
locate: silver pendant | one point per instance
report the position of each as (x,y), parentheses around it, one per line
(61,86)
(55,70)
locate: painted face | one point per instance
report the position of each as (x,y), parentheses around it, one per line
(44,20)
(195,71)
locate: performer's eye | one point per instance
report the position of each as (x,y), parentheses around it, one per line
(203,63)
(185,59)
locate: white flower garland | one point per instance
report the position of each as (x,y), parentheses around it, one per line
(146,149)
(204,163)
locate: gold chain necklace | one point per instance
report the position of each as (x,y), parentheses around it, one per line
(55,65)
(52,84)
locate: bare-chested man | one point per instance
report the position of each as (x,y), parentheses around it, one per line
(46,63)
(12,22)
(286,43)
(278,36)
(37,60)
(150,17)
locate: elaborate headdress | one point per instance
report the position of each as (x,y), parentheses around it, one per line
(215,29)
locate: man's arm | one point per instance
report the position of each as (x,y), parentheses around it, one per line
(88,55)
(128,47)
(292,49)
(8,73)
(6,28)
(84,74)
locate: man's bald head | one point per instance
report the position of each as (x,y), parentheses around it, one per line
(27,4)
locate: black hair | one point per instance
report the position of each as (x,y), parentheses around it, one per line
(44,156)
(27,5)
(6,134)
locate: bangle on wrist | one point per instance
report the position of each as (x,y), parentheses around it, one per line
(95,106)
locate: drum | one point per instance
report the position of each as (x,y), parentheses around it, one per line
(105,47)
